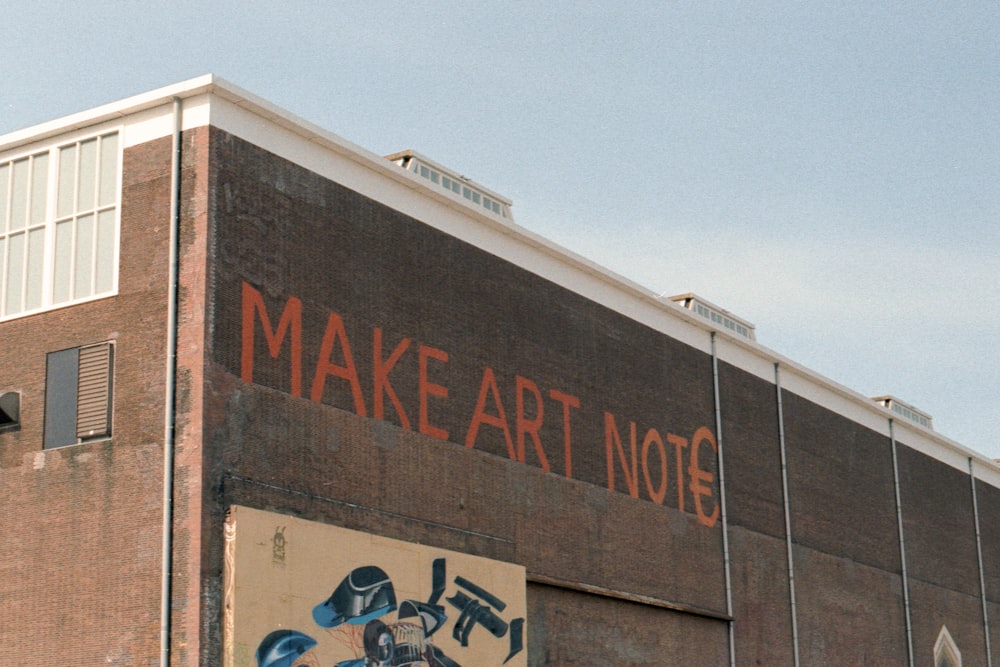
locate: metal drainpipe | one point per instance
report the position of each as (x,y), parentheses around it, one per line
(979,553)
(169,407)
(902,545)
(722,506)
(788,516)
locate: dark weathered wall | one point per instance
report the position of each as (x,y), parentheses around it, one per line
(575,629)
(755,502)
(464,442)
(843,521)
(989,510)
(370,371)
(941,554)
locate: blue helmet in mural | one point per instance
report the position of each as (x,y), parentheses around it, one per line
(282,648)
(431,616)
(364,594)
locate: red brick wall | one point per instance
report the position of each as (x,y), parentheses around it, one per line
(81,564)
(194,624)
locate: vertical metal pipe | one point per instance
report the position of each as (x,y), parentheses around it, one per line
(788,515)
(979,554)
(902,546)
(170,382)
(722,505)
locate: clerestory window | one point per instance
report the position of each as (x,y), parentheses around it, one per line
(59,225)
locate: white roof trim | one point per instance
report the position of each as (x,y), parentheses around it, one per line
(544,258)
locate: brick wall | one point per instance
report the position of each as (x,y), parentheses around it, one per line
(405,394)
(81,566)
(474,335)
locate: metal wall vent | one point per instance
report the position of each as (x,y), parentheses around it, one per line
(10,411)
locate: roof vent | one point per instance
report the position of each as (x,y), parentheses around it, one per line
(456,185)
(720,317)
(10,411)
(905,410)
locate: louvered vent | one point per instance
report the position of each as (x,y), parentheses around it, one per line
(93,415)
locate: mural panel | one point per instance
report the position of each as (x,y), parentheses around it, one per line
(300,593)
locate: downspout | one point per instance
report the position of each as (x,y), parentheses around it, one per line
(722,507)
(169,400)
(979,553)
(902,545)
(788,517)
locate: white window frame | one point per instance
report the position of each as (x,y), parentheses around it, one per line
(53,153)
(946,650)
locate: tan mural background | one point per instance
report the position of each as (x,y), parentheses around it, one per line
(303,593)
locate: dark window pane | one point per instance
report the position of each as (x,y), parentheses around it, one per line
(61,378)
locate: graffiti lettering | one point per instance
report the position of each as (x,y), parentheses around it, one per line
(480,416)
(380,373)
(428,389)
(567,402)
(700,480)
(291,318)
(325,366)
(640,471)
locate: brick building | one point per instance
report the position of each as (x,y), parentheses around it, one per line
(267,398)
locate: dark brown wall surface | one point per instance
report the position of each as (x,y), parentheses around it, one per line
(478,356)
(481,322)
(989,510)
(286,234)
(576,629)
(941,554)
(754,496)
(848,612)
(938,522)
(761,599)
(755,504)
(81,565)
(844,524)
(840,485)
(933,607)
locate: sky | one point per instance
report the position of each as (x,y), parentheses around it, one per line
(829,171)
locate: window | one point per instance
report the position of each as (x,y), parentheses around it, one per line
(78,393)
(59,225)
(946,653)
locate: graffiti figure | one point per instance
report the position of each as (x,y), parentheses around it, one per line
(473,613)
(365,597)
(283,648)
(364,594)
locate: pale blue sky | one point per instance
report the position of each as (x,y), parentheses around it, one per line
(828,171)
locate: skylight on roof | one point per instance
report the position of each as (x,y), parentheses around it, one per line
(455,184)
